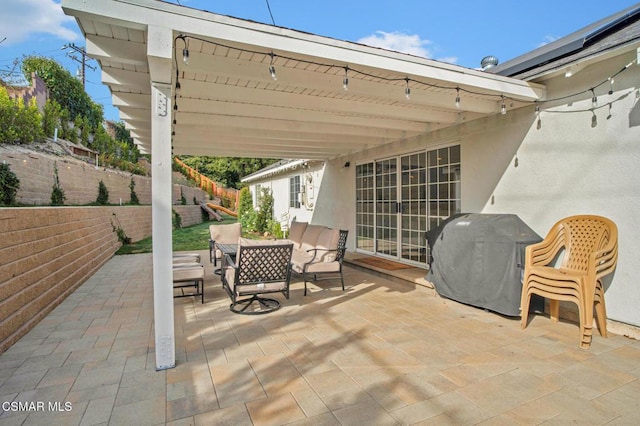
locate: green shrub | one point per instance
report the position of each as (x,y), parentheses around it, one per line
(134,197)
(183,199)
(9,185)
(274,229)
(177,220)
(19,123)
(265,210)
(57,193)
(51,117)
(246,213)
(103,194)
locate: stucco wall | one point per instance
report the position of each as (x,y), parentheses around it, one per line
(47,252)
(565,166)
(310,177)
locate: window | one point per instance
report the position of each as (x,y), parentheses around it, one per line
(294,190)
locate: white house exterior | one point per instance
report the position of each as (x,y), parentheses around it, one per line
(569,157)
(193,82)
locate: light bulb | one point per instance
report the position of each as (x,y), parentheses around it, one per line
(272,71)
(345,80)
(185,56)
(503,107)
(594,99)
(407,90)
(611,85)
(457,97)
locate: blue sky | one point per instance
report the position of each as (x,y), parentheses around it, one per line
(456,31)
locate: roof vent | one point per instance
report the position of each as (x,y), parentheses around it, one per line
(488,62)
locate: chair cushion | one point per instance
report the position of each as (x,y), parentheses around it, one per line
(298,260)
(323,267)
(258,288)
(310,236)
(186,258)
(188,273)
(225,234)
(296,230)
(328,240)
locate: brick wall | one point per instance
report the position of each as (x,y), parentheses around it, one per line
(47,252)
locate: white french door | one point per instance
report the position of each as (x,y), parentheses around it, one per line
(398,199)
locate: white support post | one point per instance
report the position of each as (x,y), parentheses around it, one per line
(159,55)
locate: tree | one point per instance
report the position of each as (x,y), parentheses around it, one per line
(227,171)
(65,89)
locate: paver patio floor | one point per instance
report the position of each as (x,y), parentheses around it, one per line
(385,351)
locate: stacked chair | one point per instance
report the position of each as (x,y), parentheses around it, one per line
(586,249)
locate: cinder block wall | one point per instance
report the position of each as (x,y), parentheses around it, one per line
(47,252)
(79,180)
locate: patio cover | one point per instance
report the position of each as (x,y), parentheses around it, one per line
(224,101)
(229,105)
(478,259)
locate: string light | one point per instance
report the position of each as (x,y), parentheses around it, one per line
(594,119)
(185,56)
(611,85)
(345,80)
(272,69)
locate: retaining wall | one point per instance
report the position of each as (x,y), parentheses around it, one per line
(47,252)
(79,179)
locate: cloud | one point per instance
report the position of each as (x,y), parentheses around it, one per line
(400,42)
(547,39)
(21,19)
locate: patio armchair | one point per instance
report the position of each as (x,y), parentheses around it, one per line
(589,249)
(324,259)
(260,267)
(222,234)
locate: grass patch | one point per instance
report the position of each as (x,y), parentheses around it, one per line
(191,238)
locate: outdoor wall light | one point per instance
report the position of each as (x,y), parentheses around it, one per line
(347,164)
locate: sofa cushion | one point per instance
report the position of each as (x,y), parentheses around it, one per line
(327,240)
(296,230)
(299,258)
(310,237)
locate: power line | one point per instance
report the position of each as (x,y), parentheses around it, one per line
(270,14)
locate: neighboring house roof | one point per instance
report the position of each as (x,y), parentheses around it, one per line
(282,166)
(604,35)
